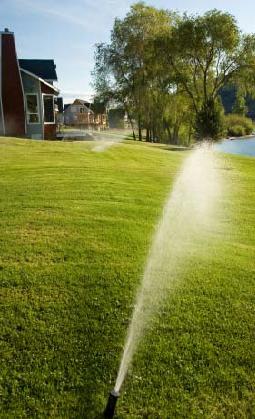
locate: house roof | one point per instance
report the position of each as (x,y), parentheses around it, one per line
(45,69)
(82,102)
(41,80)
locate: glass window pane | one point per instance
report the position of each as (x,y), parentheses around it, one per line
(48,109)
(33,118)
(32,105)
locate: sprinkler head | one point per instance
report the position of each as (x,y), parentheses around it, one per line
(111,404)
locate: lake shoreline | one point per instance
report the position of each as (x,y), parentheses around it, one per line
(244,146)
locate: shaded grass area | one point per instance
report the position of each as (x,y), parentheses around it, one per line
(111,134)
(75,230)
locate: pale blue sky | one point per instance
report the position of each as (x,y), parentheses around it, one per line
(67,30)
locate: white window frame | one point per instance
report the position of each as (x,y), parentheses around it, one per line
(53,96)
(33,113)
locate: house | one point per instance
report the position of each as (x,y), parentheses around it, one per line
(81,114)
(27,93)
(78,113)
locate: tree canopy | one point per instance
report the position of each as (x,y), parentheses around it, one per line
(167,70)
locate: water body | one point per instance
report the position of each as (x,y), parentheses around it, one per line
(243,146)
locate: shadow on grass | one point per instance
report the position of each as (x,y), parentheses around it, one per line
(177,148)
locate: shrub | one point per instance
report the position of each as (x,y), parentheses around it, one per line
(209,121)
(236,131)
(238,125)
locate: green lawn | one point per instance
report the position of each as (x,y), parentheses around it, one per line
(75,230)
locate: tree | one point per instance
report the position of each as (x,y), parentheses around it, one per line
(209,120)
(239,106)
(206,53)
(125,68)
(168,71)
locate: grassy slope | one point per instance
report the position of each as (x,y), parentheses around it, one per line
(74,232)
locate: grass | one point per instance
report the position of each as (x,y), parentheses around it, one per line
(75,230)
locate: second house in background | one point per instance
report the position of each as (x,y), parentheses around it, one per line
(83,115)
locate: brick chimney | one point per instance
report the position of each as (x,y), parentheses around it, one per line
(12,109)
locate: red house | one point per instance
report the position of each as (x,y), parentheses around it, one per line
(27,93)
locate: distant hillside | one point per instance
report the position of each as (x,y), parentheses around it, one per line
(228,97)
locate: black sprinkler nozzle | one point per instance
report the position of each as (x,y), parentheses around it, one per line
(111,404)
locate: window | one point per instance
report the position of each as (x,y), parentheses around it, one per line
(33,116)
(81,110)
(48,103)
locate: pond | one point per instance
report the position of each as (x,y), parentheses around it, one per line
(244,146)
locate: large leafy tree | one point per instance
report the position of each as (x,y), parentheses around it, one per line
(167,70)
(125,68)
(206,53)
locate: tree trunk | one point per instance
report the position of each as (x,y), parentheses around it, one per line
(169,134)
(139,128)
(190,133)
(147,134)
(153,134)
(176,134)
(131,122)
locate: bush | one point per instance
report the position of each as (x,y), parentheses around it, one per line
(236,131)
(209,124)
(238,125)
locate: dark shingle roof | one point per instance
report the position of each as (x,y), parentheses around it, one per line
(45,69)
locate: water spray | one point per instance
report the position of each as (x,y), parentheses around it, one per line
(111,404)
(189,210)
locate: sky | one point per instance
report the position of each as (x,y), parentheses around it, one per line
(67,31)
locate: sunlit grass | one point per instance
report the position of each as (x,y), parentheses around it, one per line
(75,230)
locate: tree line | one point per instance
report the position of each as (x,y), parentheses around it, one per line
(166,70)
